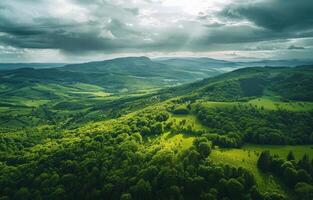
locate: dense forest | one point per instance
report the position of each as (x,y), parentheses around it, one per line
(119,163)
(297,175)
(161,144)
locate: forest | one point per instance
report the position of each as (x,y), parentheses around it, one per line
(171,143)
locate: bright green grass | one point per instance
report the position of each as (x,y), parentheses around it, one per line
(213,104)
(172,141)
(283,151)
(191,120)
(269,104)
(247,156)
(169,142)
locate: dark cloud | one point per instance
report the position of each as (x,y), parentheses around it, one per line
(79,27)
(277,15)
(292,47)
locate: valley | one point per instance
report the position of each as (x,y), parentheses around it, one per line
(66,133)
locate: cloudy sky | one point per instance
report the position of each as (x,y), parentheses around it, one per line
(82,30)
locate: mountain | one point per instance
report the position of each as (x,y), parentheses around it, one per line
(118,76)
(226,66)
(11,66)
(201,62)
(142,67)
(279,63)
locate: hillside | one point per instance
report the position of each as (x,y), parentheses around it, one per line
(49,95)
(283,82)
(63,137)
(144,67)
(121,75)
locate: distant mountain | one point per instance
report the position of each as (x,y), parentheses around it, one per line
(126,75)
(134,66)
(11,66)
(281,63)
(146,70)
(204,62)
(201,62)
(121,75)
(142,66)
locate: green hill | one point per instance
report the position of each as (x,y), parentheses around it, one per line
(64,135)
(285,82)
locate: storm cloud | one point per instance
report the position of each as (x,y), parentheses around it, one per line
(78,28)
(276,15)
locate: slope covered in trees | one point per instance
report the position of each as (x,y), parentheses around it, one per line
(160,145)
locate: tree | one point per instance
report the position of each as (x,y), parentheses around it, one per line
(126,196)
(58,193)
(157,128)
(264,161)
(305,163)
(203,146)
(303,176)
(234,189)
(142,190)
(290,176)
(23,194)
(304,191)
(290,156)
(256,194)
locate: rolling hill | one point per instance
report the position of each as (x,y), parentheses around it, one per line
(63,136)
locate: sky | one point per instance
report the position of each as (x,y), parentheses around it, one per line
(85,30)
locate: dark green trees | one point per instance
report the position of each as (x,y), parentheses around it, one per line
(203,146)
(304,191)
(290,156)
(296,175)
(231,126)
(264,161)
(234,189)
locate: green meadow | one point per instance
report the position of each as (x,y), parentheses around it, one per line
(268,103)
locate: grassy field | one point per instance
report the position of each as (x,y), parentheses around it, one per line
(268,103)
(247,156)
(172,141)
(282,151)
(213,104)
(190,120)
(264,102)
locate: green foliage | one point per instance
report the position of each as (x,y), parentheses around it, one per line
(180,110)
(203,146)
(296,175)
(233,125)
(64,135)
(264,161)
(290,156)
(304,191)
